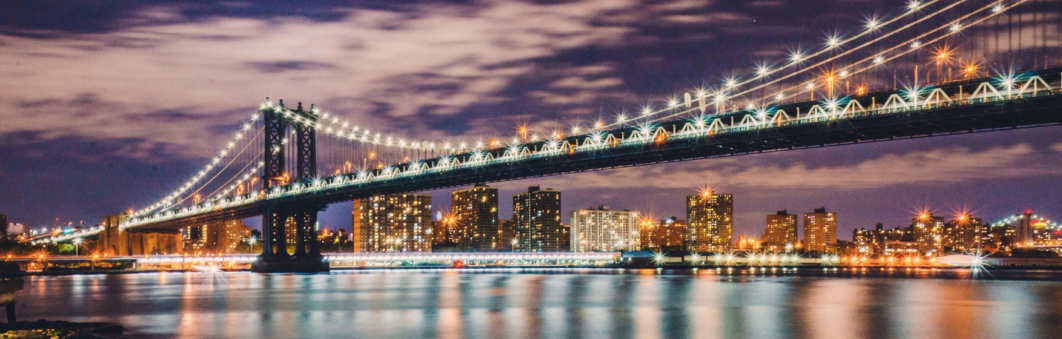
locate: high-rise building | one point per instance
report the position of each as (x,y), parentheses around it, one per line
(963,234)
(537,221)
(1024,236)
(475,214)
(3,226)
(709,222)
(781,232)
(604,230)
(663,235)
(505,231)
(928,231)
(820,231)
(217,237)
(393,223)
(748,243)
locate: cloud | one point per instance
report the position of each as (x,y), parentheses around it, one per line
(290,65)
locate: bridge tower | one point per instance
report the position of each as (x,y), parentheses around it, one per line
(275,256)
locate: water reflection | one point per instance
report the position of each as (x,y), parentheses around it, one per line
(548,304)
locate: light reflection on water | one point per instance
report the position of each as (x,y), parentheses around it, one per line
(546,304)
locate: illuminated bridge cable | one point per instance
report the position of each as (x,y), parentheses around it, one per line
(252,141)
(880,58)
(906,43)
(702,95)
(202,173)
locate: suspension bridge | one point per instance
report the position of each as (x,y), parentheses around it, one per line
(930,70)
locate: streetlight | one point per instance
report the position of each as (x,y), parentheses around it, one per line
(77,245)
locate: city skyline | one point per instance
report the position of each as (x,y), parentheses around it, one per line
(996,174)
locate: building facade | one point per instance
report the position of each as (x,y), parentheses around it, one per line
(537,221)
(604,230)
(664,235)
(709,222)
(393,223)
(781,232)
(1024,236)
(820,231)
(3,226)
(475,218)
(963,234)
(927,230)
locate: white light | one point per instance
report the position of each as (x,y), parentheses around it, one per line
(843,73)
(878,60)
(810,85)
(956,27)
(762,70)
(833,41)
(914,5)
(998,8)
(873,24)
(647,111)
(796,57)
(916,44)
(731,82)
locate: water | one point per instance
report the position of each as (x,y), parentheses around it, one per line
(548,304)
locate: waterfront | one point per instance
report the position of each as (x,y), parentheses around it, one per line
(553,303)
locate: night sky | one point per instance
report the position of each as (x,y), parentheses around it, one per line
(109,105)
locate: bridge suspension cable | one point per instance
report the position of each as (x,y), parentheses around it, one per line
(165,202)
(879,58)
(876,60)
(796,59)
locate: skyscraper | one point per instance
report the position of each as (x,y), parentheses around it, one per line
(781,232)
(927,231)
(3,226)
(709,222)
(665,235)
(393,223)
(963,234)
(603,230)
(820,231)
(475,213)
(537,221)
(1025,230)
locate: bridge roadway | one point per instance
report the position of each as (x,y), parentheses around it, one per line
(874,117)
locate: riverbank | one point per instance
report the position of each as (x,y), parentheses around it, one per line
(59,329)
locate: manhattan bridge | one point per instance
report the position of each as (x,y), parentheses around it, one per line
(932,68)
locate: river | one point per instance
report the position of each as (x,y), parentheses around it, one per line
(549,303)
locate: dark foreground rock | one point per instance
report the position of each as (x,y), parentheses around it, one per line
(59,329)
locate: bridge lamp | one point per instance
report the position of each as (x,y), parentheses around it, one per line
(762,70)
(878,60)
(672,103)
(796,57)
(833,41)
(916,44)
(872,24)
(647,111)
(955,27)
(621,118)
(998,8)
(914,5)
(731,82)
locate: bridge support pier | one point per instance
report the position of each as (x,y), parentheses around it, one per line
(275,256)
